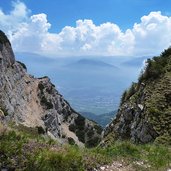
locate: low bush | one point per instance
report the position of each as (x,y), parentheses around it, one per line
(22,64)
(45,160)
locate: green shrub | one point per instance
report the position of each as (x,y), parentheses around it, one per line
(41,87)
(72,127)
(157,66)
(98,128)
(90,133)
(49,90)
(80,122)
(11,148)
(92,142)
(71,141)
(51,160)
(123,97)
(40,130)
(81,135)
(3,38)
(22,64)
(44,101)
(164,139)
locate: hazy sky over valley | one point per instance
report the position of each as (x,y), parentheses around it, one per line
(79,27)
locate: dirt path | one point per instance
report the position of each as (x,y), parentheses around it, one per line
(116,166)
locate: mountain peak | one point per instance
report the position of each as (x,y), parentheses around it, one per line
(94,62)
(91,64)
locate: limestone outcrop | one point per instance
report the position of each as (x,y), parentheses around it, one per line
(34,102)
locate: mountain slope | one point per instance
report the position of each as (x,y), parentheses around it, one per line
(34,102)
(145,111)
(102,119)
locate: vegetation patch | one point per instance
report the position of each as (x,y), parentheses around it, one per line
(5,112)
(3,38)
(22,64)
(21,151)
(157,66)
(153,93)
(71,141)
(46,103)
(41,87)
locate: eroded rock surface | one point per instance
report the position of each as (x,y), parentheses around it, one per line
(34,102)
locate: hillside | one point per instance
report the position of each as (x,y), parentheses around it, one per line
(39,130)
(102,119)
(144,114)
(23,148)
(34,102)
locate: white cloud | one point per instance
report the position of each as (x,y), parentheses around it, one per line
(31,34)
(19,14)
(153,34)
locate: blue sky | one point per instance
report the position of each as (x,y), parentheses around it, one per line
(116,20)
(65,12)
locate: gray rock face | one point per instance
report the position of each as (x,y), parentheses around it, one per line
(131,122)
(34,102)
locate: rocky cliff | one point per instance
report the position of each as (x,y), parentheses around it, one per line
(34,102)
(144,114)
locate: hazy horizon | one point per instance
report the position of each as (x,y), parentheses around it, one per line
(50,37)
(94,87)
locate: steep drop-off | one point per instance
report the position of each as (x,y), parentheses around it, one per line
(145,112)
(34,102)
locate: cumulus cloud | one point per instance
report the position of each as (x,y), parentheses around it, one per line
(30,33)
(152,34)
(19,14)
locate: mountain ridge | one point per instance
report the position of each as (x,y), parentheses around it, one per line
(91,63)
(102,119)
(144,114)
(34,102)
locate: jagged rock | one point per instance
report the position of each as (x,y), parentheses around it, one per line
(34,102)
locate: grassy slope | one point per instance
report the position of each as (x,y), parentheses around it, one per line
(27,150)
(156,95)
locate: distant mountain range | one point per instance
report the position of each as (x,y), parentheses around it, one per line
(102,119)
(92,84)
(91,63)
(138,61)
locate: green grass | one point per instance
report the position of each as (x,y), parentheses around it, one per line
(47,159)
(21,151)
(158,157)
